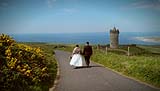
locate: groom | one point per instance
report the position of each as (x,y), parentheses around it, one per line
(87,52)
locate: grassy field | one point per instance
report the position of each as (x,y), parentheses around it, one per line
(142,65)
(153,49)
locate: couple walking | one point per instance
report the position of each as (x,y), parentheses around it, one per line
(77,55)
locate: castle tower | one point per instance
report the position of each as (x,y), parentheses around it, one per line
(114,38)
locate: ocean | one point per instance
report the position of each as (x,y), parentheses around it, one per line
(144,38)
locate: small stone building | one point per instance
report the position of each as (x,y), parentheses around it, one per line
(114,38)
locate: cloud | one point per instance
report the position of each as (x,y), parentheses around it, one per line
(50,3)
(145,4)
(70,10)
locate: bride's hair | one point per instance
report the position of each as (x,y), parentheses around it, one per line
(77,45)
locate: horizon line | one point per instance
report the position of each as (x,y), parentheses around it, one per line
(83,32)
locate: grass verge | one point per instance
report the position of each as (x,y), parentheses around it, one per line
(144,68)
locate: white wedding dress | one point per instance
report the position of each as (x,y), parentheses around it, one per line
(77,58)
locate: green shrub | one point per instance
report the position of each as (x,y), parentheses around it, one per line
(24,68)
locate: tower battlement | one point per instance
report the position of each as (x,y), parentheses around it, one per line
(114,30)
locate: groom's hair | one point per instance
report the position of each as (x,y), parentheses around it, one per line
(87,43)
(77,45)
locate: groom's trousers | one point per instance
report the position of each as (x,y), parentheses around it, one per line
(87,60)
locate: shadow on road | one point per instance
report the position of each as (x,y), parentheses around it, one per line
(88,67)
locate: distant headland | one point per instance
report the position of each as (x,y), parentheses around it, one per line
(149,39)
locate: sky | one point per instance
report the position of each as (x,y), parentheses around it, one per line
(74,16)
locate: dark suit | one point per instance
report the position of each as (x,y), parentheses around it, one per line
(87,52)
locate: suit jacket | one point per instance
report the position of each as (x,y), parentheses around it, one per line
(87,51)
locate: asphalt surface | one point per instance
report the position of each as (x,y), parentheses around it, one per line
(95,78)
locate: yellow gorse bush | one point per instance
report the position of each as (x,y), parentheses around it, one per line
(21,64)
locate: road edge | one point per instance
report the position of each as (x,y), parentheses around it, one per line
(56,81)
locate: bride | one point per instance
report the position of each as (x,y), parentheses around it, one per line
(77,58)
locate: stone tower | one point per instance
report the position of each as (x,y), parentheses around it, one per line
(114,38)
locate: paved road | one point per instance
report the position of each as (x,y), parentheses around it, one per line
(95,78)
